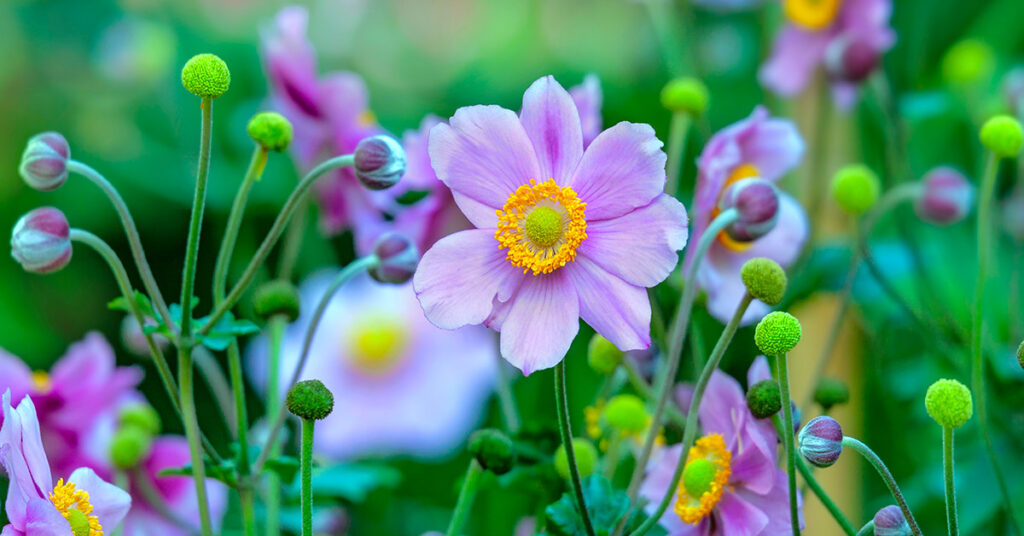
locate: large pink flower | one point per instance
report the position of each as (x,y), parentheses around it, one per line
(562,233)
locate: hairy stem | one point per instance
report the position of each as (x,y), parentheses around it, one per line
(306,459)
(565,429)
(782,371)
(947,464)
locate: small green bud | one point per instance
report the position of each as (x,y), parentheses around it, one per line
(270,130)
(626,413)
(967,62)
(764,398)
(310,400)
(586,458)
(141,416)
(206,75)
(831,392)
(130,446)
(688,95)
(855,188)
(79,522)
(1020,354)
(777,333)
(493,450)
(602,355)
(1003,136)
(276,298)
(764,279)
(949,403)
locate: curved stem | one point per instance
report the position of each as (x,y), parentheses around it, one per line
(209,370)
(565,429)
(466,495)
(947,464)
(188,410)
(227,245)
(782,371)
(306,458)
(188,277)
(677,134)
(890,482)
(868,529)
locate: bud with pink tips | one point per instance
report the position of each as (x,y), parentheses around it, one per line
(41,241)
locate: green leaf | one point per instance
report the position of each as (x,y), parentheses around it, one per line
(224,331)
(412,197)
(605,505)
(352,482)
(225,472)
(141,301)
(286,467)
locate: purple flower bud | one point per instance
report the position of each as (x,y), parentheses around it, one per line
(947,197)
(398,258)
(889,521)
(850,59)
(40,241)
(44,164)
(821,441)
(757,201)
(379,162)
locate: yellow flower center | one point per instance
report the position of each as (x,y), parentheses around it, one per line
(812,14)
(377,344)
(41,382)
(75,507)
(367,118)
(744,171)
(541,225)
(705,476)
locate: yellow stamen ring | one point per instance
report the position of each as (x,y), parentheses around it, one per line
(706,473)
(68,501)
(812,14)
(541,225)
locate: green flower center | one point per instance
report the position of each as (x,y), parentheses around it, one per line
(698,476)
(544,226)
(79,523)
(377,344)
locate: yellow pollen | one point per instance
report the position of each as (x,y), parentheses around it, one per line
(812,14)
(41,382)
(541,225)
(592,418)
(68,500)
(743,171)
(706,472)
(377,343)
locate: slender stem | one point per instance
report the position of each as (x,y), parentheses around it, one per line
(947,463)
(306,459)
(640,384)
(505,397)
(188,410)
(293,241)
(890,482)
(209,370)
(155,500)
(677,134)
(227,245)
(466,495)
(293,202)
(241,414)
(868,529)
(667,30)
(273,491)
(782,370)
(246,499)
(188,277)
(565,428)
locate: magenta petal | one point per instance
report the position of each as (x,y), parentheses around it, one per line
(22,448)
(740,518)
(623,169)
(794,58)
(17,376)
(722,403)
(9,530)
(43,519)
(109,503)
(542,322)
(751,465)
(552,122)
(776,505)
(619,311)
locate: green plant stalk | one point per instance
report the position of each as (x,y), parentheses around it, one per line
(644,389)
(293,241)
(188,410)
(307,477)
(152,497)
(465,502)
(868,529)
(782,370)
(947,464)
(507,400)
(234,223)
(677,134)
(273,492)
(890,482)
(565,430)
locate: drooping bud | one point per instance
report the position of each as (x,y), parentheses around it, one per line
(627,414)
(41,241)
(821,441)
(586,458)
(765,280)
(44,164)
(831,392)
(967,62)
(140,415)
(1003,136)
(379,162)
(757,202)
(687,94)
(850,59)
(602,355)
(949,403)
(130,446)
(278,297)
(889,521)
(777,333)
(493,450)
(397,257)
(310,400)
(764,399)
(855,188)
(946,197)
(270,130)
(206,76)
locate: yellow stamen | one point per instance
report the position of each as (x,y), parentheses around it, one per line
(68,500)
(41,382)
(743,171)
(812,14)
(541,225)
(377,344)
(592,418)
(708,465)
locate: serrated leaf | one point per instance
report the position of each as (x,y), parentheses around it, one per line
(605,505)
(225,472)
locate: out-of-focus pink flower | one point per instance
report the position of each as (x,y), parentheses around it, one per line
(946,197)
(588,98)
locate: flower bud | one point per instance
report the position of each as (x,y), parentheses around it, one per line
(1020,354)
(967,62)
(276,298)
(41,241)
(397,257)
(855,188)
(889,521)
(688,95)
(44,164)
(821,441)
(949,403)
(493,450)
(602,355)
(627,414)
(586,458)
(379,162)
(1003,136)
(850,59)
(765,280)
(129,446)
(310,400)
(270,130)
(777,333)
(946,197)
(140,415)
(206,76)
(831,392)
(764,399)
(757,202)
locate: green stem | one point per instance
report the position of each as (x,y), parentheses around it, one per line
(273,492)
(227,245)
(890,482)
(505,397)
(466,495)
(565,429)
(245,487)
(868,529)
(640,384)
(188,277)
(142,485)
(292,242)
(307,477)
(677,134)
(782,370)
(666,28)
(947,463)
(188,410)
(209,370)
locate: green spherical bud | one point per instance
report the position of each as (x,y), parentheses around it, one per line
(855,188)
(967,61)
(586,458)
(206,76)
(626,413)
(764,398)
(777,333)
(688,95)
(1020,354)
(276,298)
(764,279)
(493,450)
(1003,136)
(831,392)
(602,355)
(129,447)
(949,403)
(141,416)
(310,400)
(270,130)
(79,523)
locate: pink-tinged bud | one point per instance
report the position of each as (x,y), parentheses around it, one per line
(379,162)
(850,59)
(44,164)
(821,441)
(398,258)
(757,202)
(41,241)
(889,521)
(946,197)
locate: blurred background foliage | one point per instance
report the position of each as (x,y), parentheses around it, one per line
(105,73)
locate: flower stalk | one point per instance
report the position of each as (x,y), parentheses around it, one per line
(565,430)
(782,373)
(947,465)
(307,476)
(466,496)
(890,482)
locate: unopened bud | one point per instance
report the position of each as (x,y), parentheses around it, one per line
(949,402)
(831,392)
(757,202)
(274,298)
(777,333)
(310,400)
(765,280)
(821,441)
(687,94)
(1003,136)
(889,521)
(855,188)
(946,197)
(379,162)
(397,258)
(206,76)
(627,414)
(41,241)
(967,62)
(130,446)
(44,164)
(270,130)
(850,59)
(493,450)
(140,415)
(764,399)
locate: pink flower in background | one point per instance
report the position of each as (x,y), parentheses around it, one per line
(588,98)
(401,385)
(561,232)
(758,146)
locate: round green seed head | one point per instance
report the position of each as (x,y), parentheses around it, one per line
(278,297)
(967,61)
(586,458)
(271,130)
(626,413)
(310,400)
(687,94)
(493,450)
(764,398)
(949,403)
(777,333)
(831,392)
(855,188)
(602,355)
(141,416)
(79,523)
(1003,136)
(129,447)
(764,279)
(206,75)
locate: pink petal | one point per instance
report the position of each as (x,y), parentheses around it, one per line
(623,169)
(552,122)
(759,370)
(109,503)
(740,518)
(542,322)
(588,97)
(776,504)
(722,407)
(619,311)
(43,519)
(794,58)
